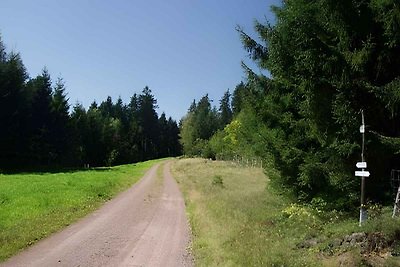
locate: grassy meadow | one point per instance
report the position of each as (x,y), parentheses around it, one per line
(238,220)
(34,205)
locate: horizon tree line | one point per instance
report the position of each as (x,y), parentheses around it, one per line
(38,130)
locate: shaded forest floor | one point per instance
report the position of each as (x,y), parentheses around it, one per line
(238,220)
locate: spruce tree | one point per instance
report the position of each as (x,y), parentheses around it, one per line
(41,122)
(61,128)
(14,110)
(148,123)
(225,109)
(328,60)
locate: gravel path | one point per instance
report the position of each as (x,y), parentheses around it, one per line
(143,226)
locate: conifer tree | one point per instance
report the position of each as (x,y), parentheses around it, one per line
(41,121)
(225,109)
(148,123)
(14,109)
(328,60)
(61,129)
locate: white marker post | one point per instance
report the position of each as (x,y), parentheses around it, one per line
(362,173)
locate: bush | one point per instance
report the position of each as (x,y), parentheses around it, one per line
(217,180)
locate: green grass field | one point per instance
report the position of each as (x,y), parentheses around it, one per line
(32,206)
(238,220)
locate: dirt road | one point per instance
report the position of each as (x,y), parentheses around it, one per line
(144,226)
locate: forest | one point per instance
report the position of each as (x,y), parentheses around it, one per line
(324,62)
(40,130)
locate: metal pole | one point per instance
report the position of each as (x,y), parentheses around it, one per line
(363,211)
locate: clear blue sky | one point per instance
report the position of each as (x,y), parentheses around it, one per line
(181,49)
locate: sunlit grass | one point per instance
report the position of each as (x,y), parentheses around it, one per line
(32,206)
(245,223)
(237,224)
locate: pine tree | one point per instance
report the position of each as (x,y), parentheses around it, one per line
(173,145)
(148,123)
(328,60)
(133,137)
(79,129)
(13,110)
(94,138)
(239,98)
(205,119)
(163,149)
(61,129)
(41,150)
(225,109)
(198,126)
(3,53)
(193,106)
(107,108)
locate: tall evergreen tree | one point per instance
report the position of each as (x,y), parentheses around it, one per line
(133,133)
(163,149)
(3,53)
(133,106)
(13,109)
(225,109)
(79,129)
(121,112)
(239,98)
(148,123)
(205,119)
(193,106)
(328,60)
(61,129)
(173,145)
(94,105)
(107,108)
(93,138)
(42,151)
(198,126)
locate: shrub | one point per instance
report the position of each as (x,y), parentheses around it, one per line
(217,180)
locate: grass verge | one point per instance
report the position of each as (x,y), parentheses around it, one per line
(237,220)
(32,206)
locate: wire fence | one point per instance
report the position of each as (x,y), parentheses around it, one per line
(250,162)
(395,181)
